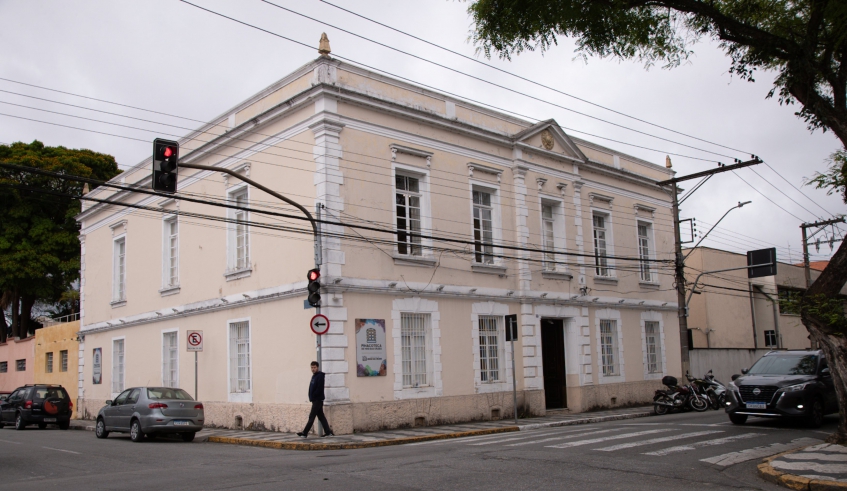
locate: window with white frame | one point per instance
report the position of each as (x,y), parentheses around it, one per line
(653,346)
(171,252)
(63,360)
(609,347)
(770,338)
(645,248)
(601,261)
(240,379)
(548,236)
(170,359)
(118,365)
(489,348)
(119,270)
(414,331)
(49,366)
(238,232)
(483,227)
(408,205)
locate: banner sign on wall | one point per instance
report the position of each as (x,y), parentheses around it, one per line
(98,365)
(370,348)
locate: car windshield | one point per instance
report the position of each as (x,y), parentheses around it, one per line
(785,365)
(155,393)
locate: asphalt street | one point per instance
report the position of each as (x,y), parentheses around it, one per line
(674,452)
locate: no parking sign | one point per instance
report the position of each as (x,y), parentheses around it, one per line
(195,341)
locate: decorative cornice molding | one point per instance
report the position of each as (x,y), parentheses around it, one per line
(592,197)
(472,166)
(540,181)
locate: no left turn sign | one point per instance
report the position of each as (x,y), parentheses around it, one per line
(319,324)
(195,341)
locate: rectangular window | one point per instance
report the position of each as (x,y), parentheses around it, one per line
(653,345)
(408,201)
(644,250)
(413,337)
(20,365)
(548,237)
(170,360)
(489,349)
(119,270)
(171,252)
(609,346)
(600,260)
(239,357)
(789,301)
(63,360)
(117,365)
(770,339)
(239,233)
(483,230)
(4,366)
(49,365)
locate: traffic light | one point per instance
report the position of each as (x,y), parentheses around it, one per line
(314,287)
(165,157)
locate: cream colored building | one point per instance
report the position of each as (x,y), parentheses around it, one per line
(486,190)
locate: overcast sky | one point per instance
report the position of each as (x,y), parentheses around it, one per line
(168,56)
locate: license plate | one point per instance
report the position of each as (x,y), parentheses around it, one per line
(182,423)
(756,405)
(49,420)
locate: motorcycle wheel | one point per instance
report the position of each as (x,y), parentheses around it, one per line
(699,404)
(659,408)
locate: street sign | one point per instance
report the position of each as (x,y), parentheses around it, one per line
(195,341)
(512,327)
(764,259)
(319,324)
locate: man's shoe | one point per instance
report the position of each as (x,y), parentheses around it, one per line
(329,434)
(301,434)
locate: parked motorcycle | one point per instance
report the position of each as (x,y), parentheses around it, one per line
(700,399)
(716,390)
(675,397)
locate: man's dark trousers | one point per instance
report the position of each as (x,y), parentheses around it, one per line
(316,396)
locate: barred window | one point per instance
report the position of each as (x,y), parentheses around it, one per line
(240,380)
(653,344)
(601,261)
(20,365)
(414,330)
(170,360)
(609,347)
(489,348)
(63,360)
(408,202)
(4,366)
(49,365)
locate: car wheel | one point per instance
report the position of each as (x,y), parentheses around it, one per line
(41,426)
(135,433)
(20,424)
(738,419)
(64,425)
(100,429)
(815,417)
(187,437)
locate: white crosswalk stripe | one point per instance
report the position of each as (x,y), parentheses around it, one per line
(733,458)
(545,440)
(656,440)
(607,438)
(523,436)
(706,443)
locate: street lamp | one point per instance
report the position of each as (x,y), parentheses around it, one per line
(739,205)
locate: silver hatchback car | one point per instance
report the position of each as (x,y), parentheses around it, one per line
(150,411)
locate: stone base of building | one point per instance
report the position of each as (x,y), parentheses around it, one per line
(609,396)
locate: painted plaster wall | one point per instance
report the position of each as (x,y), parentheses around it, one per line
(11,351)
(55,339)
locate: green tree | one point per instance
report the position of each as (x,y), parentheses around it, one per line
(39,237)
(804,42)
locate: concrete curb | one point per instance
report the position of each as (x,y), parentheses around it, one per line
(790,481)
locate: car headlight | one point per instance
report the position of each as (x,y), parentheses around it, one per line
(793,388)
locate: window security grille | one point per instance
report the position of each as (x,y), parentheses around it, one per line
(170,360)
(482,228)
(609,347)
(644,251)
(4,366)
(654,347)
(118,365)
(20,365)
(489,349)
(547,237)
(413,336)
(49,366)
(172,251)
(770,338)
(239,361)
(63,360)
(408,201)
(600,260)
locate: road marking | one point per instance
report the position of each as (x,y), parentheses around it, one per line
(523,437)
(644,424)
(733,458)
(656,440)
(478,438)
(60,450)
(9,441)
(706,443)
(561,437)
(613,437)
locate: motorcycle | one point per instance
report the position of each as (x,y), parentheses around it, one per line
(716,391)
(700,399)
(675,397)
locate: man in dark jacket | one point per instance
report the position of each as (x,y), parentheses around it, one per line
(316,397)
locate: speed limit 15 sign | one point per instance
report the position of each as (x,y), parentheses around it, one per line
(194,341)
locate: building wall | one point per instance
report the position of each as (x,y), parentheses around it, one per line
(54,339)
(11,351)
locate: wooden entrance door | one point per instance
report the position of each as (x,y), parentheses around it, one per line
(553,359)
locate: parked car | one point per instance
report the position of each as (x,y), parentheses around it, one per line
(37,404)
(4,394)
(151,411)
(787,384)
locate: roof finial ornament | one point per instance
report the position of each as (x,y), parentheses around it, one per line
(323,47)
(668,161)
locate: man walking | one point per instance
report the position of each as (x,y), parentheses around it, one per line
(316,397)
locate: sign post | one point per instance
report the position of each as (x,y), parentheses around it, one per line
(511,335)
(195,344)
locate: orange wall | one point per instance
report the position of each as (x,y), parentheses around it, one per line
(10,352)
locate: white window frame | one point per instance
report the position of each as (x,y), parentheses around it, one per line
(422,175)
(772,333)
(232,266)
(499,311)
(170,259)
(653,316)
(496,221)
(165,359)
(246,396)
(63,360)
(645,263)
(559,239)
(610,245)
(417,305)
(118,380)
(611,315)
(119,269)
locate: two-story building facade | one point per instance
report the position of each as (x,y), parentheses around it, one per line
(440,217)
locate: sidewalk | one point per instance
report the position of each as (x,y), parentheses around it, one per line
(290,441)
(816,468)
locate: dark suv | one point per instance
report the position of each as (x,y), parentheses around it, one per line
(792,384)
(37,404)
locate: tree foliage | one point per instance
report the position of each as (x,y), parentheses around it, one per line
(39,237)
(833,180)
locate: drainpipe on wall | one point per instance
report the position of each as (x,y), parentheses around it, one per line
(753,313)
(775,315)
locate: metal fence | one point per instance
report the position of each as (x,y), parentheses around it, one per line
(46,321)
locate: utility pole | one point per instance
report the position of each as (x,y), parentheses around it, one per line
(679,266)
(803,228)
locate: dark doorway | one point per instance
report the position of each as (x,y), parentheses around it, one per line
(553,358)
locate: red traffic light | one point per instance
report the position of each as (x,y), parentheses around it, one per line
(168,152)
(313,274)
